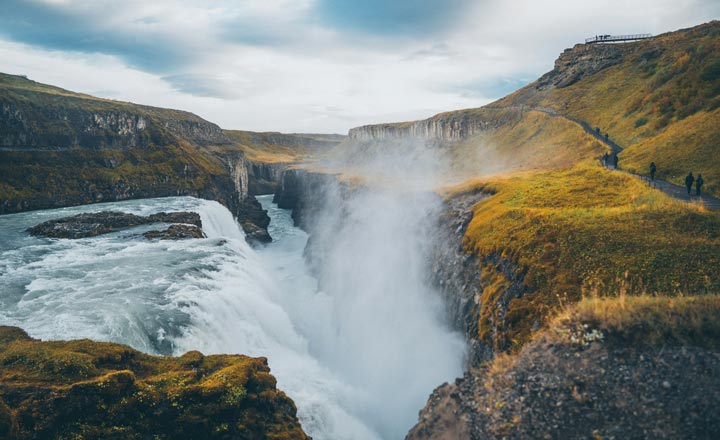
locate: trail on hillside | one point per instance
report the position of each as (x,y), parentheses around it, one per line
(676,191)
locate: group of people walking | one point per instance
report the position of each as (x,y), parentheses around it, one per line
(610,161)
(689,180)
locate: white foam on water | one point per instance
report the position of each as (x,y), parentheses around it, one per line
(358,363)
(215,295)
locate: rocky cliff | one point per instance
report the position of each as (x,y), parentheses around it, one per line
(36,116)
(445,127)
(265,178)
(59,148)
(607,370)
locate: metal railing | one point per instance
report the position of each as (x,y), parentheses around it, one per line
(615,38)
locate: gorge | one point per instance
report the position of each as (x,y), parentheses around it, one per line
(482,257)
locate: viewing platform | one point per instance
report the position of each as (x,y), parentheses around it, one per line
(616,38)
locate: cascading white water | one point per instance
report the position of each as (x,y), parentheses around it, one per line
(358,364)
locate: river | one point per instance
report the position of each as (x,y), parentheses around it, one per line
(218,295)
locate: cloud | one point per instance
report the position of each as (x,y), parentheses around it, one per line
(491,88)
(159,36)
(397,17)
(437,50)
(64,26)
(312,65)
(202,85)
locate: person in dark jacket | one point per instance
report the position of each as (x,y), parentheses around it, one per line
(653,169)
(615,160)
(689,179)
(605,159)
(698,184)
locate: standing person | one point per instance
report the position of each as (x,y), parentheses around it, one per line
(605,159)
(653,169)
(689,179)
(615,160)
(698,184)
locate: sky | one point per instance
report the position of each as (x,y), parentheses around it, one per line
(312,66)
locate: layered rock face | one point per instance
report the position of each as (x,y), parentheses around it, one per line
(61,122)
(601,389)
(581,61)
(265,178)
(303,192)
(456,274)
(441,128)
(59,148)
(94,390)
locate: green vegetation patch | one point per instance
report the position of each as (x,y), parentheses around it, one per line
(557,236)
(92,390)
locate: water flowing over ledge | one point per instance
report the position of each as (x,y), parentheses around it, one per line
(332,352)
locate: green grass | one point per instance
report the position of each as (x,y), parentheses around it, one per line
(567,233)
(86,389)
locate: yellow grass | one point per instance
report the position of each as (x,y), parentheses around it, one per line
(585,229)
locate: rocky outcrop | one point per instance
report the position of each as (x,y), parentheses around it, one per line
(581,61)
(176,232)
(90,225)
(304,192)
(254,221)
(602,390)
(238,169)
(95,390)
(265,178)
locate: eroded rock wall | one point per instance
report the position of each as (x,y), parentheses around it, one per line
(441,128)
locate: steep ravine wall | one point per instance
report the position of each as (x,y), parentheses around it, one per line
(442,128)
(59,155)
(56,124)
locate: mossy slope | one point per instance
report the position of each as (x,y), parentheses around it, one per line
(91,390)
(546,239)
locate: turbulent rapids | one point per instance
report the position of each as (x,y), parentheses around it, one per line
(328,349)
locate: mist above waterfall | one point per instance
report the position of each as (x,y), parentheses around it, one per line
(370,248)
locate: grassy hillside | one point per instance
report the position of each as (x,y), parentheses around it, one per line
(272,148)
(60,148)
(500,140)
(93,390)
(35,115)
(527,140)
(546,239)
(658,98)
